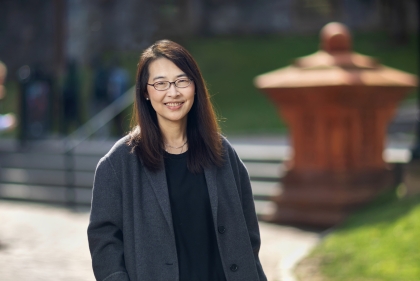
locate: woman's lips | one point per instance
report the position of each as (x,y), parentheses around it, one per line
(174,105)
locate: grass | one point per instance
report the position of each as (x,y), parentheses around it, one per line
(379,243)
(229,65)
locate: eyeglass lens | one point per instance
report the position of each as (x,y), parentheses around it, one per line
(164,85)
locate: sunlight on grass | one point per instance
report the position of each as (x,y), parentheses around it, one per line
(379,243)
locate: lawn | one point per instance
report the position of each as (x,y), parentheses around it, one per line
(379,243)
(229,65)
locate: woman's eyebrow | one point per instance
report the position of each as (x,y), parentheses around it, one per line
(179,75)
(158,77)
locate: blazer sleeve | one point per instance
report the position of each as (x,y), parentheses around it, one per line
(250,215)
(105,226)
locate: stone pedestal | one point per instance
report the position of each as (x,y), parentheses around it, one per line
(324,199)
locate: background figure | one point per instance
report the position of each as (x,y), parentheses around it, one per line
(35,103)
(71,112)
(7,121)
(100,98)
(117,86)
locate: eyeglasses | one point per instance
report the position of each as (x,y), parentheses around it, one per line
(164,85)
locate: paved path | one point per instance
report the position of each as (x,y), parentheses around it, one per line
(42,243)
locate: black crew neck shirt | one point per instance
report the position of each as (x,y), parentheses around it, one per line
(195,237)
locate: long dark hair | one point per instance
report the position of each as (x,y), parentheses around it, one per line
(203,133)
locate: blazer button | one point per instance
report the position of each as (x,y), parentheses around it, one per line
(221,229)
(234,267)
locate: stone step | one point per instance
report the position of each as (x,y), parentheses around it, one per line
(51,169)
(82,196)
(271,152)
(45,177)
(264,208)
(48,161)
(265,171)
(264,190)
(54,146)
(255,152)
(47,194)
(261,190)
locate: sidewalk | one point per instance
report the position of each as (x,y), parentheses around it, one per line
(42,243)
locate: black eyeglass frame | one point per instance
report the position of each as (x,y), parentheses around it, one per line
(170,83)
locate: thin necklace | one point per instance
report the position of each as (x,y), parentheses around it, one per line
(176,147)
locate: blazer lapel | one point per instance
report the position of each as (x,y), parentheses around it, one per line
(211,179)
(160,187)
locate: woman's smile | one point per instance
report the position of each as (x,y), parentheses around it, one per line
(174,105)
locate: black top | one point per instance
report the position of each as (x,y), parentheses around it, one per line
(195,237)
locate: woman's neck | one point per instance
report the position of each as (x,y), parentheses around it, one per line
(174,138)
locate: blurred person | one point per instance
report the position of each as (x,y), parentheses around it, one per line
(71,89)
(7,121)
(100,98)
(100,83)
(172,200)
(117,86)
(35,105)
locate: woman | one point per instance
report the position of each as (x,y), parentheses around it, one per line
(172,200)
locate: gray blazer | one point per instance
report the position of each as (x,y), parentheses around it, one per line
(130,232)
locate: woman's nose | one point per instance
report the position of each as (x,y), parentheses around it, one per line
(173,91)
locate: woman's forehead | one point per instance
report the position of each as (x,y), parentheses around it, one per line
(164,68)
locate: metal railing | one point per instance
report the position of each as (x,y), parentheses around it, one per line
(84,132)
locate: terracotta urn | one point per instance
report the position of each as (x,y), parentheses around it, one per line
(337,105)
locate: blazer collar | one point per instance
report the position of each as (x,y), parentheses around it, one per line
(160,187)
(211,179)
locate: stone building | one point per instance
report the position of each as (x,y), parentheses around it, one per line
(49,31)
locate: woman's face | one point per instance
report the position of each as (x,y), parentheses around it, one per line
(171,105)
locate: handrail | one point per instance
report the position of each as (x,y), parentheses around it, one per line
(99,120)
(84,132)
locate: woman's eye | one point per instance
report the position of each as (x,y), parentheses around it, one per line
(160,83)
(182,82)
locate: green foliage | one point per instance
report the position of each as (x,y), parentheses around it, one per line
(380,243)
